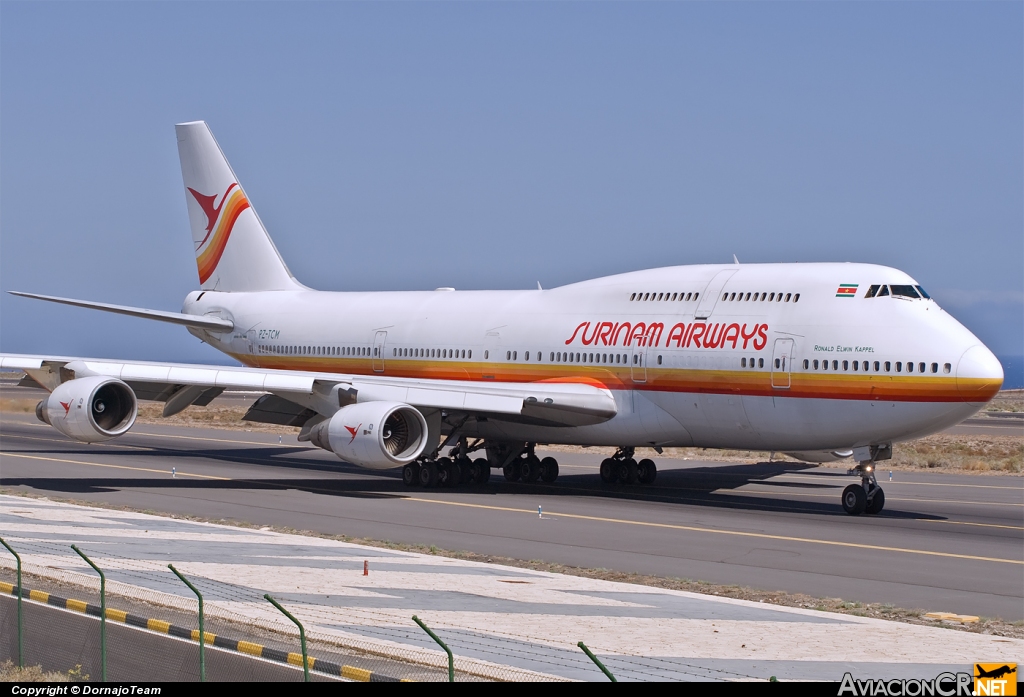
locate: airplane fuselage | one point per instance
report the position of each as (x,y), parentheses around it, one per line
(787,357)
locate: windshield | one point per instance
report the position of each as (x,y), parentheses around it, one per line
(904,291)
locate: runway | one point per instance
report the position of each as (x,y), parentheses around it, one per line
(944,542)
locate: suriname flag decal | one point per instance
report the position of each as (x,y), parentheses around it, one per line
(847,290)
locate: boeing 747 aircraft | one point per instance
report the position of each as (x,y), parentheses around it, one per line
(820,361)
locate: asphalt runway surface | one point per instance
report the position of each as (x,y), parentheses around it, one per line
(945,542)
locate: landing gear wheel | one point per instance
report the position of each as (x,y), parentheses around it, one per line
(482,471)
(464,468)
(646,471)
(428,475)
(446,472)
(877,502)
(511,471)
(609,471)
(854,499)
(411,474)
(549,469)
(530,468)
(627,471)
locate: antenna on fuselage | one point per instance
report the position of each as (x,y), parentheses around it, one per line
(735,260)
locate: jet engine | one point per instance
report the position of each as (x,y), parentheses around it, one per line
(91,409)
(376,435)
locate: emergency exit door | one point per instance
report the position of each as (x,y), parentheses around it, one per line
(782,364)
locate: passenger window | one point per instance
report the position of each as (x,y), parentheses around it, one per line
(470,353)
(876,366)
(688,295)
(835,365)
(888,366)
(945,367)
(883,291)
(846,365)
(796,298)
(788,295)
(872,291)
(508,355)
(760,362)
(725,296)
(815,363)
(910,367)
(806,364)
(527,356)
(552,358)
(763,296)
(514,357)
(920,367)
(659,295)
(935,367)
(771,297)
(777,364)
(743,362)
(632,297)
(695,296)
(487,354)
(673,296)
(659,360)
(855,365)
(779,299)
(899,367)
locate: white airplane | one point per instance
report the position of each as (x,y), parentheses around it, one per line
(820,361)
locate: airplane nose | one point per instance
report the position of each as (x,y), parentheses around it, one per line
(979,375)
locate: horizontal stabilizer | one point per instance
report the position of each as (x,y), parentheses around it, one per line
(214,324)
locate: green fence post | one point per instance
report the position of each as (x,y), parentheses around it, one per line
(302,633)
(451,659)
(103,614)
(202,632)
(21,645)
(596,660)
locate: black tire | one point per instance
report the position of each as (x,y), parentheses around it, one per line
(854,499)
(646,471)
(445,473)
(483,470)
(627,471)
(411,474)
(511,471)
(877,502)
(609,471)
(428,475)
(549,469)
(464,470)
(530,471)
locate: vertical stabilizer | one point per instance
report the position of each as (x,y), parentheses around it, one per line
(233,250)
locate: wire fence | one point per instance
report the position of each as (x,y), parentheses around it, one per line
(151,631)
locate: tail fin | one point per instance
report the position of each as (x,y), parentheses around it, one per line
(233,250)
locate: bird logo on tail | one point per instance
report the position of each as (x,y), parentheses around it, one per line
(220,221)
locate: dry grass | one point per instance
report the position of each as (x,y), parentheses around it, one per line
(1007,400)
(12,673)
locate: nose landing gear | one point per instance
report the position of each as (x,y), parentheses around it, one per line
(866,497)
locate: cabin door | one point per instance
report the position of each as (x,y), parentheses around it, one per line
(378,351)
(782,364)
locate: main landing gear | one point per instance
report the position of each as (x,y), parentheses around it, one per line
(517,462)
(621,468)
(866,497)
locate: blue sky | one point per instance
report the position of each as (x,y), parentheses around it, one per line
(494,145)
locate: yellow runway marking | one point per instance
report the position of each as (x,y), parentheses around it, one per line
(66,441)
(959,486)
(117,467)
(221,440)
(887,498)
(736,533)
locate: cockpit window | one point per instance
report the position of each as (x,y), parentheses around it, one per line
(884,291)
(923,293)
(904,292)
(871,291)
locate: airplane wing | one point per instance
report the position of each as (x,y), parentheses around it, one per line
(298,395)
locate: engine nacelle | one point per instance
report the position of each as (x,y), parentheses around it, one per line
(377,435)
(91,409)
